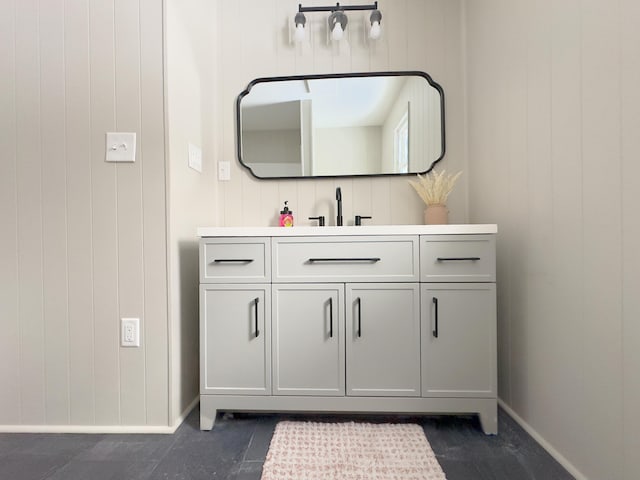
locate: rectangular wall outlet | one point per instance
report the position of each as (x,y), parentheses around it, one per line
(130,332)
(195,157)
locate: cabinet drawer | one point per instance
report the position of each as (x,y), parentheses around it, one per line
(235,260)
(457,258)
(347,259)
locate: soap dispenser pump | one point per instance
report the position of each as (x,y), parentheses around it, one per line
(286,216)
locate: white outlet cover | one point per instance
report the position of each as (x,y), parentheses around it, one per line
(195,157)
(130,332)
(120,147)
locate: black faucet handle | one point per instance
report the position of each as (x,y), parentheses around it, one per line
(359,219)
(320,219)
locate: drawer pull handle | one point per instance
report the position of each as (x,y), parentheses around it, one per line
(330,317)
(359,302)
(233,260)
(435,330)
(255,302)
(458,259)
(338,260)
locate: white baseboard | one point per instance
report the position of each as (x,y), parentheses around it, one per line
(569,467)
(91,429)
(97,429)
(186,412)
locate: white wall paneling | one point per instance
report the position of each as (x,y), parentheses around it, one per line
(191,75)
(85,240)
(54,214)
(630,231)
(552,115)
(78,148)
(29,207)
(154,238)
(9,320)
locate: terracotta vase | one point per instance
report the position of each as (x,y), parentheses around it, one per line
(436,214)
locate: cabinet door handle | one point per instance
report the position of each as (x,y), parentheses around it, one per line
(336,260)
(458,259)
(435,330)
(359,302)
(255,302)
(330,317)
(233,260)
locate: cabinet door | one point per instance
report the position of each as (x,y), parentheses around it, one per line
(383,339)
(308,339)
(235,338)
(459,340)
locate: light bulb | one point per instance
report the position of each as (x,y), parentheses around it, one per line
(337,32)
(375,19)
(299,34)
(299,21)
(375,31)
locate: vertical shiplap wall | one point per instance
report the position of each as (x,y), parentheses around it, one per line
(554,112)
(254,42)
(191,79)
(83,241)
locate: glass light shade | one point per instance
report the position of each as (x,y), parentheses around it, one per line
(337,32)
(375,31)
(299,34)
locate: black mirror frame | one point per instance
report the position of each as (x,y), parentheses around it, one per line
(251,84)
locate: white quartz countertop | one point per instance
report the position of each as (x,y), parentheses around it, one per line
(346,230)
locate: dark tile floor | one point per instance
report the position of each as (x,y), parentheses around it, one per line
(235,450)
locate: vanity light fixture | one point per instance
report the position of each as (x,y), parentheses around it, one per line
(338,20)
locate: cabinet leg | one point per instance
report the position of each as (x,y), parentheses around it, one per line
(208,413)
(489,419)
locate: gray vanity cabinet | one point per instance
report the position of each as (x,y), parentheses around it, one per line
(458,290)
(459,340)
(378,345)
(383,339)
(308,339)
(235,339)
(235,316)
(381,355)
(389,319)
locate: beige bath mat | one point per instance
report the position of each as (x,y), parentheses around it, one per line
(350,451)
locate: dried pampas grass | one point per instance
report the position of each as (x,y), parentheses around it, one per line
(434,188)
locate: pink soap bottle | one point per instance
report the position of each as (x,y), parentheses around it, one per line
(286,216)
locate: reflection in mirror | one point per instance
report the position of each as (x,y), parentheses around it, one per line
(341,125)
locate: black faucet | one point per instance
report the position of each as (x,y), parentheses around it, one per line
(339,199)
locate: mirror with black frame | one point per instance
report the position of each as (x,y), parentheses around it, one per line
(357,124)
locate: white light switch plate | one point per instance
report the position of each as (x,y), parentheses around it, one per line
(195,157)
(120,147)
(224,171)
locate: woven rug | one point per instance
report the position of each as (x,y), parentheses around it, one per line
(350,451)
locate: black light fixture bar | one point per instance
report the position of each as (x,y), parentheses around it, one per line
(338,7)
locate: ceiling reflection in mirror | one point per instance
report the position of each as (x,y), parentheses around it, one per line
(388,123)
